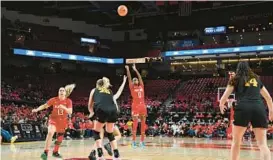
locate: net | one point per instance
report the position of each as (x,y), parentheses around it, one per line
(221,91)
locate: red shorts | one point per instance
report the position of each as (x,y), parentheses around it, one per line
(60,124)
(139,110)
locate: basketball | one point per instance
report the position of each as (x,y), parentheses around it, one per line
(122,10)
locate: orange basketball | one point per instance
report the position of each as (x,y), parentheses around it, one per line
(122,10)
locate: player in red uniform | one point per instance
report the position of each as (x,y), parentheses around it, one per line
(139,109)
(58,120)
(231,118)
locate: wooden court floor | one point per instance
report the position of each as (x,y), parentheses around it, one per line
(156,149)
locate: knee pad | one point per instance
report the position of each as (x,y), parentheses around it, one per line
(96,135)
(110,136)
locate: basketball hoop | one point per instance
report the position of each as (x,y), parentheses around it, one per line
(91,48)
(220,92)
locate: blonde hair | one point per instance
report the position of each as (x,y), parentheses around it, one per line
(99,83)
(69,88)
(105,79)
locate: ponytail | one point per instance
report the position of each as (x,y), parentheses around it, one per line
(69,88)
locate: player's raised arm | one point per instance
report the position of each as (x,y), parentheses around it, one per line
(44,106)
(116,96)
(90,102)
(129,75)
(41,107)
(138,75)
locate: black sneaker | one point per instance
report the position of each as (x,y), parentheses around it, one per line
(116,155)
(92,155)
(108,148)
(56,155)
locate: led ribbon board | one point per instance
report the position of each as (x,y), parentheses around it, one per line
(215,30)
(89,40)
(260,48)
(73,57)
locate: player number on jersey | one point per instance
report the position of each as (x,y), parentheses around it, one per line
(139,94)
(252,82)
(60,112)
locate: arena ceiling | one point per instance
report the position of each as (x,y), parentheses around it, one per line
(142,14)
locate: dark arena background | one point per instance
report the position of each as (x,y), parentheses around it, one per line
(183,50)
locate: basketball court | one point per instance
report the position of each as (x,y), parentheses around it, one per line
(156,149)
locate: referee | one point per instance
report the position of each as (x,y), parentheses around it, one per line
(103,104)
(250,109)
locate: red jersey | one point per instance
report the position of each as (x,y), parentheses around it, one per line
(58,113)
(231,114)
(137,92)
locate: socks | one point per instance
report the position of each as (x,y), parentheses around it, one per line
(135,123)
(143,125)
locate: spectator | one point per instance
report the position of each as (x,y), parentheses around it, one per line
(130,125)
(77,128)
(7,136)
(89,126)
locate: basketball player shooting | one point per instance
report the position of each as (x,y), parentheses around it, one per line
(58,120)
(139,109)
